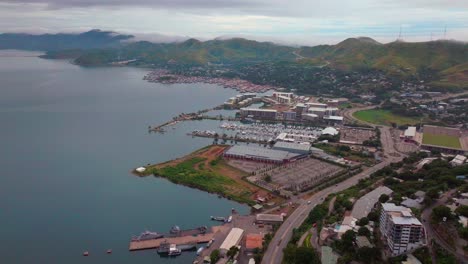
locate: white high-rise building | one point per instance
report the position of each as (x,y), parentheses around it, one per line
(401,229)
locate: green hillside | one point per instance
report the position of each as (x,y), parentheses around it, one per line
(193,52)
(399,58)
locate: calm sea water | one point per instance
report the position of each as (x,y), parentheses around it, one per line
(69,137)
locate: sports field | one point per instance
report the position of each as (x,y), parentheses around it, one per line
(441,140)
(384,117)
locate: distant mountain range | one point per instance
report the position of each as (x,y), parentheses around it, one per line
(94,39)
(448,59)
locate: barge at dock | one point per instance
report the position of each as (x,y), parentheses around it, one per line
(184,237)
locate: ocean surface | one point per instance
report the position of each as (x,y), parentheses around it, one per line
(69,137)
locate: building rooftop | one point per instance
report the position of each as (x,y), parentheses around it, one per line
(362,241)
(269,217)
(366,203)
(391,207)
(405,220)
(232,238)
(294,146)
(330,131)
(328,256)
(336,118)
(259,152)
(410,131)
(253,241)
(257,109)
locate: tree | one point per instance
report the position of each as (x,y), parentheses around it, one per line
(268,178)
(441,211)
(214,256)
(384,198)
(232,252)
(362,222)
(300,255)
(462,210)
(364,231)
(373,216)
(368,255)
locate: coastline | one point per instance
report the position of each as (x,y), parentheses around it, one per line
(205,170)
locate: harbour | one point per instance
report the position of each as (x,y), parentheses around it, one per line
(96,183)
(185,238)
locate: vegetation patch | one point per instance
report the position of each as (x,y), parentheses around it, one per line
(384,117)
(441,140)
(205,170)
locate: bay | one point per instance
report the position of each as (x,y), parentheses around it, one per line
(69,137)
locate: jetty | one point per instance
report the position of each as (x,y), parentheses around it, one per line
(182,239)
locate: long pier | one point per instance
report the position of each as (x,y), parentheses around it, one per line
(227,138)
(179,240)
(186,117)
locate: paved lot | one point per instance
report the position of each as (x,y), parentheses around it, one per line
(303,174)
(356,135)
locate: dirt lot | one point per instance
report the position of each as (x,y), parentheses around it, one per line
(356,135)
(213,162)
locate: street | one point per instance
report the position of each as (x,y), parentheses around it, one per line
(274,253)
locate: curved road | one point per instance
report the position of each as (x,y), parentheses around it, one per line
(274,253)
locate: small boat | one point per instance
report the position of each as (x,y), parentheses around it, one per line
(187,247)
(147,235)
(210,243)
(109,251)
(175,230)
(86,253)
(218,218)
(199,251)
(163,248)
(174,251)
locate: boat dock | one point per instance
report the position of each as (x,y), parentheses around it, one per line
(184,238)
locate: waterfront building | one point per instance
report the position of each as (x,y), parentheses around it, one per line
(259,154)
(298,148)
(257,113)
(289,115)
(402,231)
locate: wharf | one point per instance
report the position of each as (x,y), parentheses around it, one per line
(186,238)
(228,138)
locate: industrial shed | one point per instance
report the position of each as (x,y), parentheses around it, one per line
(269,219)
(298,148)
(232,239)
(259,154)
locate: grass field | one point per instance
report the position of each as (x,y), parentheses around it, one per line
(441,140)
(384,117)
(206,170)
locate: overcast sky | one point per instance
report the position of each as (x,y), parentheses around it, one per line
(287,21)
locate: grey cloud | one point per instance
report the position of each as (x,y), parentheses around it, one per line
(148,3)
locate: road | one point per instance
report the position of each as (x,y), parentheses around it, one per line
(274,253)
(432,234)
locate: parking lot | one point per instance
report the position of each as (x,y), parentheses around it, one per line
(302,174)
(355,135)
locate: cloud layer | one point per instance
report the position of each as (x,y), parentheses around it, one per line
(293,21)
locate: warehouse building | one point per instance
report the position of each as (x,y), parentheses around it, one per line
(259,154)
(233,239)
(268,219)
(298,148)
